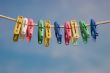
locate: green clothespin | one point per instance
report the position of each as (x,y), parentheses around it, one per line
(84,31)
(40,31)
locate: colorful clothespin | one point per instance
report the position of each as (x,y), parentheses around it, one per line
(57,32)
(17,28)
(84,31)
(30,29)
(40,31)
(93,28)
(67,32)
(47,34)
(24,28)
(75,32)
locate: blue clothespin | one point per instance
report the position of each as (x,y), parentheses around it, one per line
(57,32)
(94,33)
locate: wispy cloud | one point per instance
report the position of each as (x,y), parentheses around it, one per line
(23,57)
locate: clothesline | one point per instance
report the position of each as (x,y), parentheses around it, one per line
(52,26)
(24,29)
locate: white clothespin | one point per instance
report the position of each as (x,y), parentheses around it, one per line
(24,28)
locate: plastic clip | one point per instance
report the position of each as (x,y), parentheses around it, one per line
(30,29)
(24,28)
(47,34)
(67,32)
(40,31)
(84,31)
(57,32)
(17,28)
(75,32)
(94,33)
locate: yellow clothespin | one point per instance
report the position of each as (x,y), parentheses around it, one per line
(47,34)
(75,32)
(17,28)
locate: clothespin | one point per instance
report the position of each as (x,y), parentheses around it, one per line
(67,32)
(24,28)
(84,31)
(30,29)
(17,28)
(47,34)
(75,32)
(93,28)
(40,31)
(57,32)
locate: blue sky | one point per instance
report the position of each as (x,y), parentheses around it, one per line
(24,57)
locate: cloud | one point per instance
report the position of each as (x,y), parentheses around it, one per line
(23,57)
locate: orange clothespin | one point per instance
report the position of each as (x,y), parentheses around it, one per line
(67,32)
(30,29)
(17,28)
(47,35)
(75,32)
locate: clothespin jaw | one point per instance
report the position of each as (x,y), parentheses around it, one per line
(84,31)
(40,31)
(93,28)
(47,34)
(67,32)
(57,32)
(24,28)
(17,28)
(30,29)
(75,32)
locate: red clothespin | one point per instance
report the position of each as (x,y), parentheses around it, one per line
(30,29)
(67,32)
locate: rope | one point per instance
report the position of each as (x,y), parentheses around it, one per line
(52,26)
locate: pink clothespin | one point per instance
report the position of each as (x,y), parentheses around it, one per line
(30,29)
(67,32)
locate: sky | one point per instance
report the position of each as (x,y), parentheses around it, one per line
(24,57)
